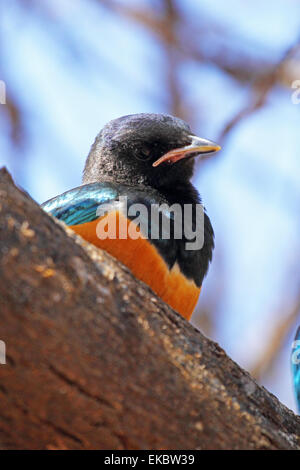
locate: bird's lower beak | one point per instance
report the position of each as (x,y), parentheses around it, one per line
(198,146)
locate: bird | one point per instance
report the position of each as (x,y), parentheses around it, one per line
(147,160)
(296,367)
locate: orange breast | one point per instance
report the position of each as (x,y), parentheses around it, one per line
(143,259)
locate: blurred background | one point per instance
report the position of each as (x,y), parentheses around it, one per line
(227,68)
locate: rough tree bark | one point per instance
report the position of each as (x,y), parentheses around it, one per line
(96,361)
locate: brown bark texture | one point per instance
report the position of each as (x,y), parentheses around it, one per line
(94,360)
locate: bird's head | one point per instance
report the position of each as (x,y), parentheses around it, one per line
(155,149)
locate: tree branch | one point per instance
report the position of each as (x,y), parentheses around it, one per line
(96,360)
(260,91)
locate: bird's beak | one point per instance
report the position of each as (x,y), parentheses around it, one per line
(198,146)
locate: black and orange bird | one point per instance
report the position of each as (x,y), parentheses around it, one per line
(146,160)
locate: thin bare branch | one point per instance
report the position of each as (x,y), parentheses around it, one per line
(279,335)
(260,92)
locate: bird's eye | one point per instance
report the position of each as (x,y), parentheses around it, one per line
(144,153)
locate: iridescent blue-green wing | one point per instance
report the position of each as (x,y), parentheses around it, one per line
(296,367)
(79,205)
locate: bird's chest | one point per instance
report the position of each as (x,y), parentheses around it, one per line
(146,244)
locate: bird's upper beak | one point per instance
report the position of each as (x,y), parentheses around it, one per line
(198,146)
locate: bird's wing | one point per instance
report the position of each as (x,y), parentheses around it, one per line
(80,205)
(296,366)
